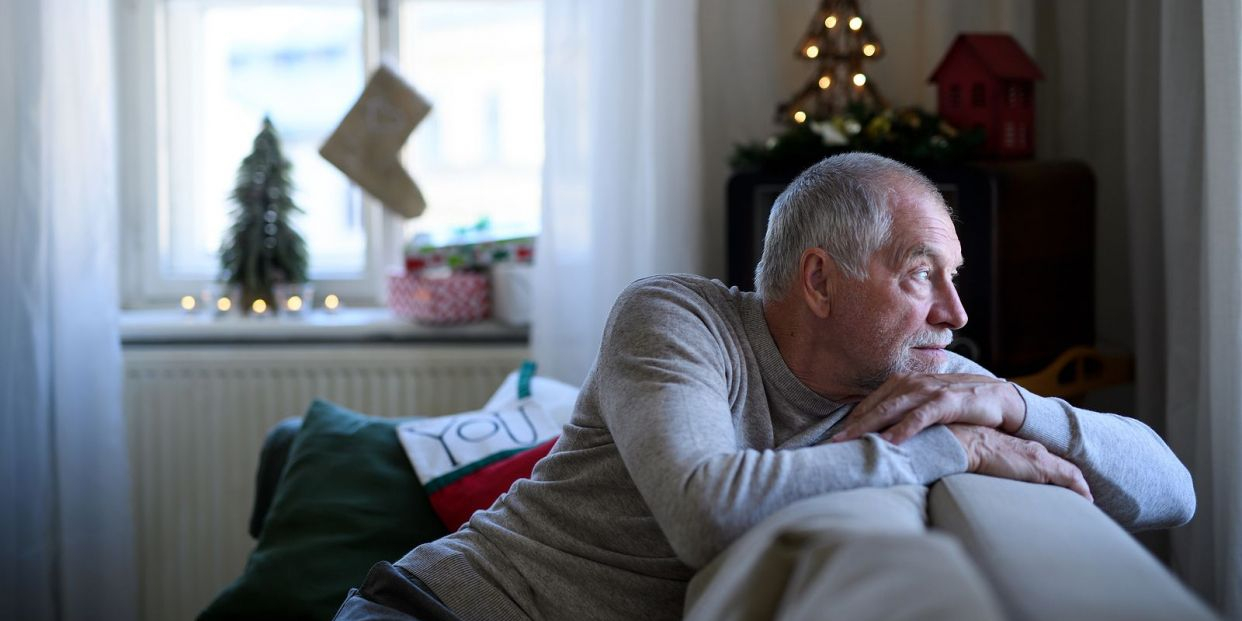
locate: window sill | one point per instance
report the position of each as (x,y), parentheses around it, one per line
(351,325)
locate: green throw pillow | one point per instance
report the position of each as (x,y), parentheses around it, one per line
(348,499)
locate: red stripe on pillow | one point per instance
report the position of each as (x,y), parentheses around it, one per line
(457,501)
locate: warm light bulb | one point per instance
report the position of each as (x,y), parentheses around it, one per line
(812,51)
(831,21)
(869,50)
(259,307)
(800,116)
(825,82)
(187,303)
(294,303)
(223,305)
(859,79)
(855,23)
(330,302)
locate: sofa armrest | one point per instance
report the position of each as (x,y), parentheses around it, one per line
(272,458)
(1051,554)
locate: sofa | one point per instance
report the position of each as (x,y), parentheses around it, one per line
(969,546)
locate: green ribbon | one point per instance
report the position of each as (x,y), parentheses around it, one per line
(524,374)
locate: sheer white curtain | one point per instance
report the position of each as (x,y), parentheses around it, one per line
(1184,154)
(66,546)
(622,169)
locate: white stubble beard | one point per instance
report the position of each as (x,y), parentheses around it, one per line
(905,362)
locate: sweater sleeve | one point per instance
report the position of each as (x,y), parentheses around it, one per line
(662,384)
(1134,476)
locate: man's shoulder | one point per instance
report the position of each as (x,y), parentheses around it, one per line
(658,302)
(681,285)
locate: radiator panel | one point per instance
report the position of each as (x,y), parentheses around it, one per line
(196,419)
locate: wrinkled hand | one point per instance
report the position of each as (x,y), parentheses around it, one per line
(908,404)
(999,454)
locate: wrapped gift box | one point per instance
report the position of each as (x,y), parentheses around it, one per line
(476,253)
(440,299)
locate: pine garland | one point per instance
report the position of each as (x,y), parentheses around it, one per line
(910,135)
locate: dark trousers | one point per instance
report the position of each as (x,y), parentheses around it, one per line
(392,594)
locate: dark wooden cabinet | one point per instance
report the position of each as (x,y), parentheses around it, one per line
(1027,231)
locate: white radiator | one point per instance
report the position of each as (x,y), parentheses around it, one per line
(197,417)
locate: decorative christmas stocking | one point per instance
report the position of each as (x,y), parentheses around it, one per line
(366,145)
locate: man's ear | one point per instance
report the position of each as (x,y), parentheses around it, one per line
(817,274)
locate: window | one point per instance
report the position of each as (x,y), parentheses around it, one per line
(480,151)
(955,96)
(978,96)
(233,64)
(198,76)
(1016,94)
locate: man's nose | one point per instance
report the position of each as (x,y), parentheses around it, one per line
(948,310)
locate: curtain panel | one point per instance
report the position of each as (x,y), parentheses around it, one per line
(1183,155)
(66,544)
(622,166)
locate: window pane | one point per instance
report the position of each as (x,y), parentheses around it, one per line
(479,154)
(228,65)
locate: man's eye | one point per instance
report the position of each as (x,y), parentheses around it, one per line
(923,275)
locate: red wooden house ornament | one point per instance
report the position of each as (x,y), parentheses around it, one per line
(987,80)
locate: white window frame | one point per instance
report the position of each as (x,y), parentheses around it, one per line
(142,123)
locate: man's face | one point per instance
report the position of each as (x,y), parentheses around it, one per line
(903,313)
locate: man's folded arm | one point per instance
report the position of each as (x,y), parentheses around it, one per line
(662,389)
(1133,474)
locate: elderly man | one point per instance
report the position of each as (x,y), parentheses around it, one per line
(709,409)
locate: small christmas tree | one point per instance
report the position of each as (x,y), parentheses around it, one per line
(837,41)
(262,249)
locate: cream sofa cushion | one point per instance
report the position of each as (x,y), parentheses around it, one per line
(1051,554)
(857,555)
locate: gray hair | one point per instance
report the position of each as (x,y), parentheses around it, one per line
(840,205)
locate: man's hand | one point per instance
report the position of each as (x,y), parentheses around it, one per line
(908,404)
(998,454)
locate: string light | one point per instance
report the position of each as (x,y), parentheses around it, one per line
(859,79)
(812,51)
(869,49)
(187,303)
(331,302)
(831,21)
(259,307)
(800,116)
(294,303)
(223,305)
(855,23)
(825,82)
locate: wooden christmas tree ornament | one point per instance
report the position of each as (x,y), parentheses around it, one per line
(838,41)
